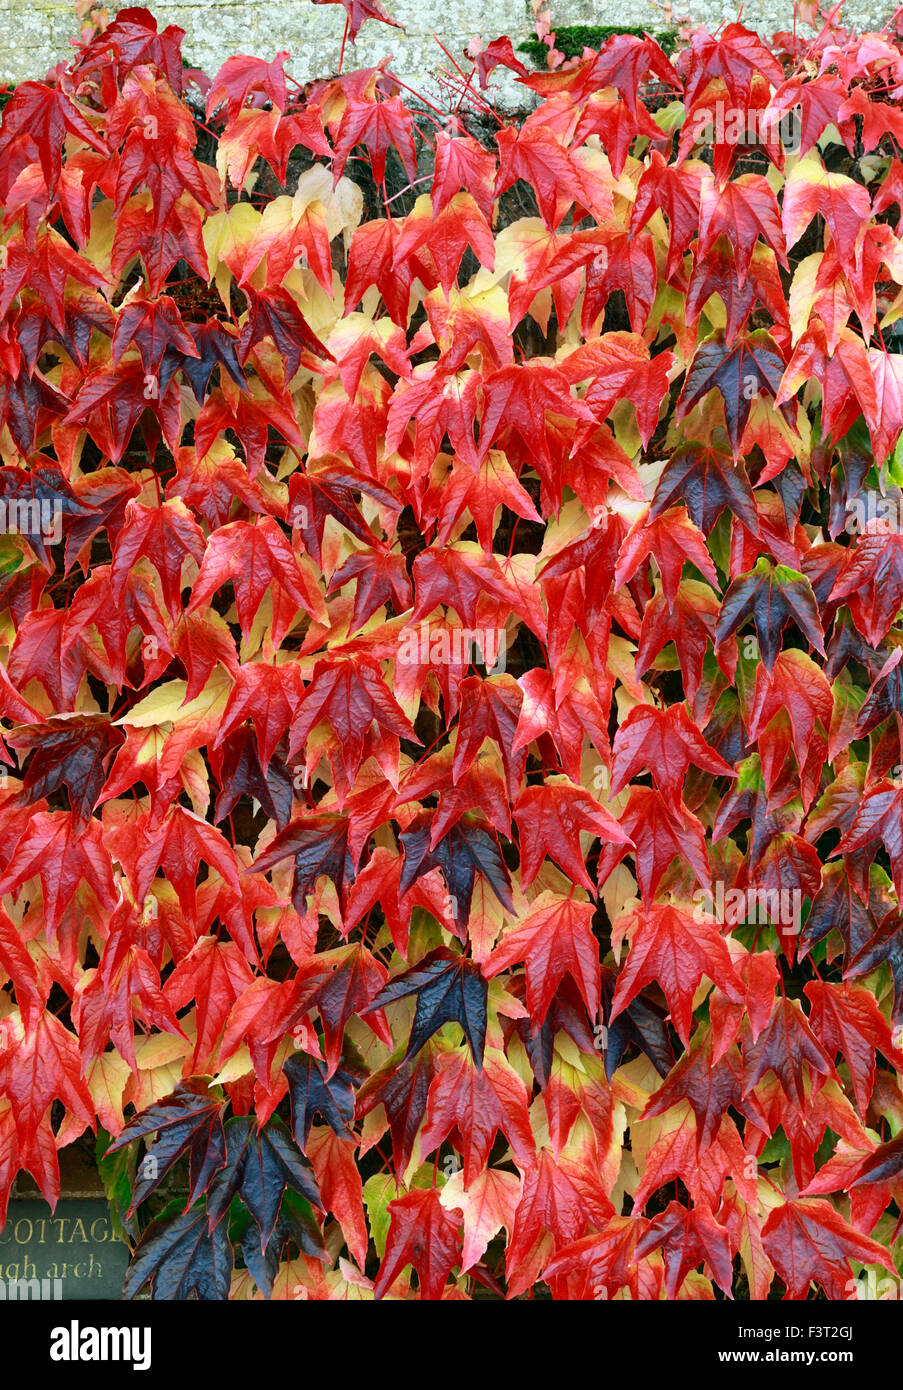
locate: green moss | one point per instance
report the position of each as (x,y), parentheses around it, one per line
(571,39)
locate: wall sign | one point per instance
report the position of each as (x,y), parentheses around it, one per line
(71,1252)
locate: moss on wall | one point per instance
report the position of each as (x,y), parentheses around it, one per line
(571,39)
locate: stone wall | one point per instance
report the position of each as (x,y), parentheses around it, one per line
(35,34)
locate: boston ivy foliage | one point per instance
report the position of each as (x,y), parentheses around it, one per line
(451,824)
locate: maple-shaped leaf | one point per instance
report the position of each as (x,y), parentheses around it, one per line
(871,583)
(550,819)
(884,697)
(487,58)
(812,191)
(38,494)
(882,1166)
(623,61)
(67,751)
(356,979)
(40,652)
(808,1241)
(885,946)
(267,694)
(737,54)
(642,1024)
(240,76)
(717,274)
(265,1012)
(28,404)
(349,694)
(402,1089)
(371,261)
(155,327)
(314,496)
(261,1163)
(742,211)
(518,398)
(379,125)
(490,709)
(771,596)
(674,541)
(838,907)
(265,1263)
(261,555)
(686,1239)
(113,400)
(381,578)
(481,789)
(689,622)
(132,39)
(793,690)
(215,346)
(537,155)
(559,1199)
(424,1234)
(845,374)
(618,365)
(167,536)
(677,948)
(313,1092)
(707,480)
(177,843)
(275,315)
(612,120)
(341,1189)
(785,1045)
(544,260)
(878,821)
(677,193)
(357,11)
(38,1068)
(554,940)
(458,576)
(446,234)
(63,851)
(488,1204)
(605,1259)
(213,973)
(709,1087)
(462,162)
(16,960)
(629,265)
(483,495)
(667,742)
(566,1013)
(475,1105)
(739,372)
(319,846)
(658,833)
(846,1019)
(187,1123)
(449,988)
(106,999)
(463,852)
(181,1257)
(47,114)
